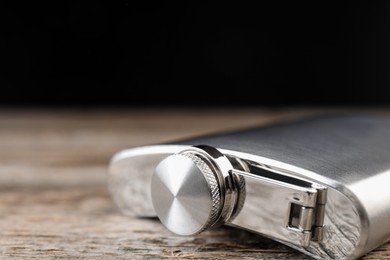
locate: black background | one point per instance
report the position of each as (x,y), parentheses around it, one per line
(123,53)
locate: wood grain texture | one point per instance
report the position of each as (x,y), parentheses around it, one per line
(54,201)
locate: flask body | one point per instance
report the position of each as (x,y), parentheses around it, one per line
(319,184)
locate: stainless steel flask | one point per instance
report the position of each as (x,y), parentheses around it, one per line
(318,184)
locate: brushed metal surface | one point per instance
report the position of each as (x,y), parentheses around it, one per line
(349,154)
(185,194)
(344,148)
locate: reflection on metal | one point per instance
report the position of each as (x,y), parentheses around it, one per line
(283,210)
(327,226)
(322,197)
(129,177)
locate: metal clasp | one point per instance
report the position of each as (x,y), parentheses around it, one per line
(282,206)
(306,217)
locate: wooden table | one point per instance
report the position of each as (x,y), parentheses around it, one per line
(54,201)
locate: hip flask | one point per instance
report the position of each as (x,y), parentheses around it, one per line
(318,184)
